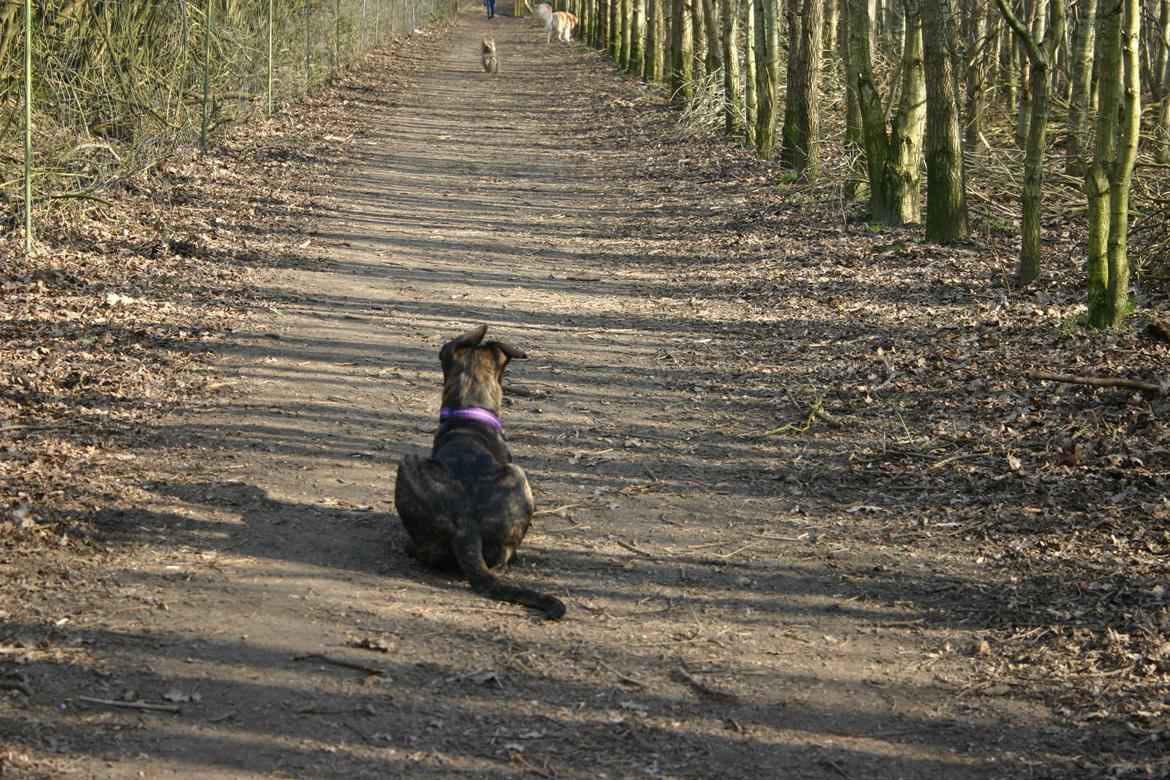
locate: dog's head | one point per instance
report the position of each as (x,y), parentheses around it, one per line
(489,46)
(473,370)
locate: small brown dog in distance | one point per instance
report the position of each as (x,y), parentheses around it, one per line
(491,63)
(468,503)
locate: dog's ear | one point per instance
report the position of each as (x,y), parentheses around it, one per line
(469,339)
(506,352)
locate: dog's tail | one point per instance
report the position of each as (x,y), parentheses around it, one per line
(469,552)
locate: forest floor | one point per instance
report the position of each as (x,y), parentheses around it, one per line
(809,513)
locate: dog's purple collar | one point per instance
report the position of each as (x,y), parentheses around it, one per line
(471,413)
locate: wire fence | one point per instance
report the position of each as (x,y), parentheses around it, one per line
(92,91)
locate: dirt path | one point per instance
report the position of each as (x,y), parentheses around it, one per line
(713,630)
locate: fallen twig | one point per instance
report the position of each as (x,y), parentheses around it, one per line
(802,537)
(620,675)
(961,456)
(632,548)
(132,705)
(16,682)
(560,510)
(337,662)
(523,392)
(45,427)
(704,688)
(815,412)
(825,417)
(738,549)
(1102,381)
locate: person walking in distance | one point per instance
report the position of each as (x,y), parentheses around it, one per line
(490,5)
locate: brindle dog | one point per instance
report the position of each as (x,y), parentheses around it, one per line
(468,501)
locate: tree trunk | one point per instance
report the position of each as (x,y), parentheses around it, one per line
(681,59)
(614,26)
(1158,79)
(698,42)
(946,197)
(637,36)
(832,25)
(1024,90)
(979,54)
(652,57)
(904,176)
(1108,181)
(799,147)
(711,28)
(892,160)
(626,22)
(767,44)
(849,73)
(1039,45)
(732,78)
(1009,72)
(750,72)
(1077,131)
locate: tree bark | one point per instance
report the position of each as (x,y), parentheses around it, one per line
(711,29)
(1077,131)
(1158,79)
(698,42)
(767,44)
(979,55)
(652,57)
(638,39)
(614,28)
(946,196)
(799,147)
(750,72)
(849,73)
(626,22)
(893,159)
(1108,181)
(1038,42)
(732,78)
(681,51)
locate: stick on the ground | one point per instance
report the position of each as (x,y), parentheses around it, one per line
(1102,381)
(704,688)
(825,417)
(632,548)
(560,510)
(132,705)
(337,662)
(16,682)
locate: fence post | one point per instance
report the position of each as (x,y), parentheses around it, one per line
(336,35)
(28,223)
(206,76)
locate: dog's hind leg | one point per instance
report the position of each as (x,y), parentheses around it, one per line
(418,497)
(469,551)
